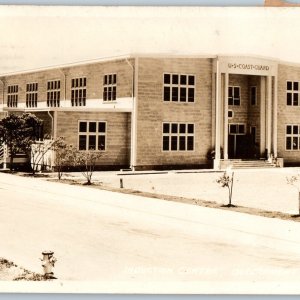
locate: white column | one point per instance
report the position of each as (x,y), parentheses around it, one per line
(262,115)
(269,114)
(226,116)
(275,103)
(134,117)
(218,119)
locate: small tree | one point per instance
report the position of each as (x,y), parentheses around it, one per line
(65,155)
(37,154)
(226,180)
(18,132)
(86,161)
(295,182)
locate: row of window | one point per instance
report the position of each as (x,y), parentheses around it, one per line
(177,88)
(78,92)
(176,136)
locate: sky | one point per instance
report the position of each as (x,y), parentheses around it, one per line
(34,37)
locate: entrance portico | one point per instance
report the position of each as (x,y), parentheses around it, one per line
(245,108)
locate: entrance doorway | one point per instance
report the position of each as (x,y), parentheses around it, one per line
(240,144)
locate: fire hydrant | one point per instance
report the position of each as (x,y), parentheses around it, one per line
(48,263)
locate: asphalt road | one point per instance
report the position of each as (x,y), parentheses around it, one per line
(112,238)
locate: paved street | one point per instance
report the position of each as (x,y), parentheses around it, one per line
(109,237)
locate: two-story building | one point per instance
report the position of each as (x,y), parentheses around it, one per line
(163,112)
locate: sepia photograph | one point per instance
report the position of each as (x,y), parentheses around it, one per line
(150,150)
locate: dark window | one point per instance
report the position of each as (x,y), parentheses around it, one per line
(234,95)
(110,87)
(92,135)
(292,93)
(178,137)
(78,92)
(53,93)
(179,88)
(292,137)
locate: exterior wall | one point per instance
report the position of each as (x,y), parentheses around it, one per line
(94,73)
(117,134)
(286,114)
(152,111)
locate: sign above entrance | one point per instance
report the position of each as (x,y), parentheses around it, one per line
(246,65)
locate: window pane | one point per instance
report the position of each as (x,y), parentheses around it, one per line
(166,140)
(175,79)
(82,142)
(101,142)
(182,79)
(92,142)
(174,94)
(92,127)
(167,93)
(166,128)
(82,126)
(191,95)
(190,128)
(236,92)
(296,86)
(182,94)
(289,85)
(295,129)
(233,128)
(190,143)
(182,128)
(174,127)
(191,80)
(295,143)
(289,98)
(288,129)
(182,143)
(295,102)
(289,143)
(174,143)
(167,78)
(105,79)
(241,129)
(101,127)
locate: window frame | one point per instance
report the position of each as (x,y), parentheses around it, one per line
(233,87)
(12,95)
(32,89)
(238,126)
(87,133)
(107,86)
(292,92)
(55,92)
(291,136)
(78,91)
(255,100)
(178,135)
(179,87)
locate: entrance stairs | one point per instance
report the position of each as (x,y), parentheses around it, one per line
(251,164)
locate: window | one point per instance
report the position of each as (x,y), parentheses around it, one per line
(92,135)
(179,88)
(292,93)
(230,114)
(234,95)
(178,137)
(31,94)
(53,93)
(12,95)
(237,129)
(292,137)
(110,87)
(253,95)
(78,91)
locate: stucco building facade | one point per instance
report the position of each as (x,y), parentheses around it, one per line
(164,112)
